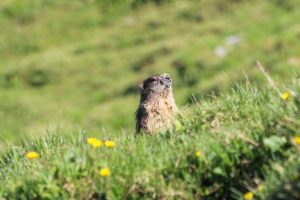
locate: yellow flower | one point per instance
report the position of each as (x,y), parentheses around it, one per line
(248,196)
(91,140)
(94,142)
(110,143)
(32,155)
(198,154)
(296,140)
(104,172)
(285,95)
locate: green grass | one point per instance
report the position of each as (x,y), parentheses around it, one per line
(77,64)
(245,137)
(70,70)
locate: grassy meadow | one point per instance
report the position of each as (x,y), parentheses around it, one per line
(70,70)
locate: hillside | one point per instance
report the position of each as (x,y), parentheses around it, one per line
(69,75)
(241,145)
(69,64)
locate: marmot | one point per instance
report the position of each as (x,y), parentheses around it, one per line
(157,108)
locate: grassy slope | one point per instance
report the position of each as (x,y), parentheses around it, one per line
(69,72)
(63,58)
(244,136)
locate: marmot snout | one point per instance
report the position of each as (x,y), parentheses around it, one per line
(157,107)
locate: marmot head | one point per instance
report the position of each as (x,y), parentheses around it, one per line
(157,85)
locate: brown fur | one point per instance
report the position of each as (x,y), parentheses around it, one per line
(157,108)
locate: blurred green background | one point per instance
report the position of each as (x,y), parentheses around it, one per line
(78,63)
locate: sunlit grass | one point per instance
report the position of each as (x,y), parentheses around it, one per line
(240,142)
(69,76)
(64,62)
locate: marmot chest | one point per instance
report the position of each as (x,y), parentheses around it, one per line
(161,110)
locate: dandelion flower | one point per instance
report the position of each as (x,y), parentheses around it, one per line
(248,196)
(97,144)
(94,142)
(110,144)
(285,95)
(91,140)
(104,172)
(198,154)
(32,155)
(296,140)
